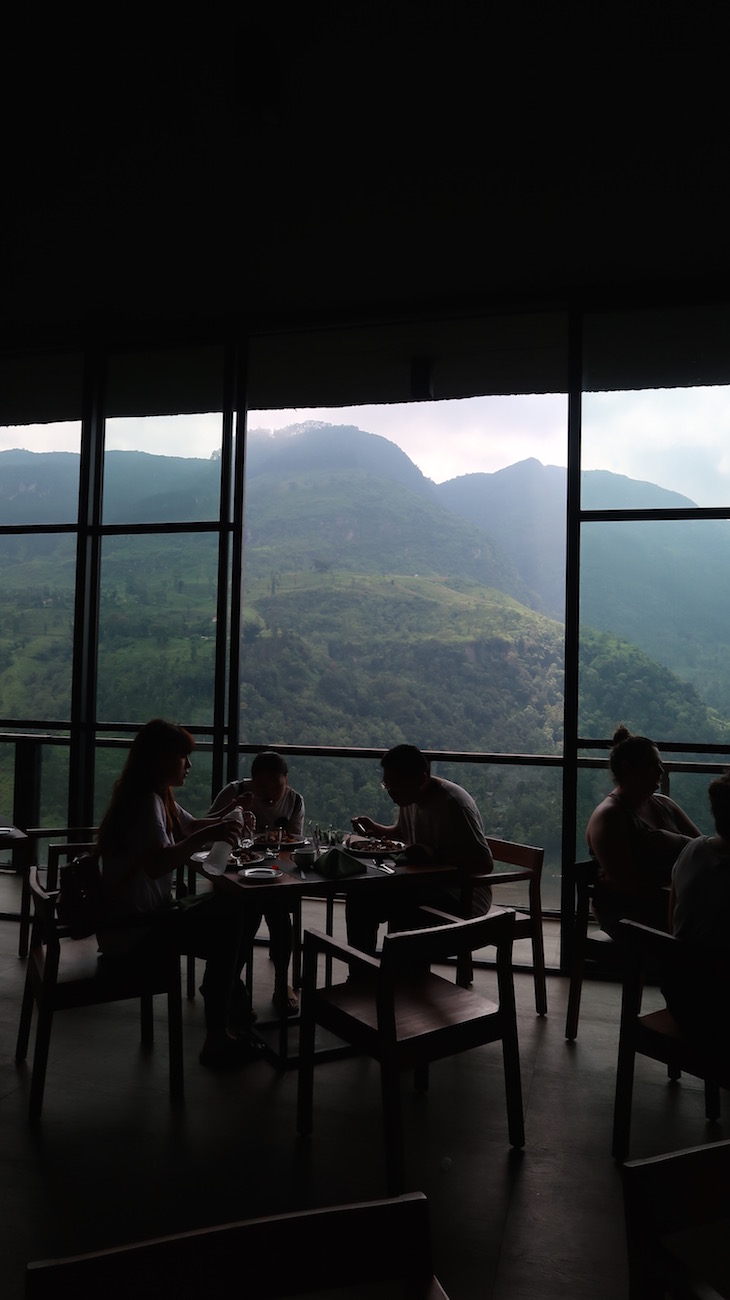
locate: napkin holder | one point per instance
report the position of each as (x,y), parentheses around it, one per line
(338,864)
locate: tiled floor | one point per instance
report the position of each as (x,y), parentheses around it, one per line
(114,1161)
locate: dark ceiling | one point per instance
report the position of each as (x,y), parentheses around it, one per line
(330,162)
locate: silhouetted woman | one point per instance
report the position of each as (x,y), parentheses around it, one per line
(143,838)
(636,835)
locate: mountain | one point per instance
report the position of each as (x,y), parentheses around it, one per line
(523,506)
(657,584)
(335,498)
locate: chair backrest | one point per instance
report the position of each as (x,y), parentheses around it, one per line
(683,1189)
(368,1243)
(68,851)
(417,948)
(517,855)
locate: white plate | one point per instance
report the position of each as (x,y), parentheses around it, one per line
(261,875)
(287,846)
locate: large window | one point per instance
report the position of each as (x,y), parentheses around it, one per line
(404,581)
(654,550)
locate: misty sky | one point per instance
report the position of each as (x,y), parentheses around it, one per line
(677,438)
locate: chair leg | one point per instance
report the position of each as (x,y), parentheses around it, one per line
(147,1021)
(420,1078)
(305,1084)
(393,1130)
(296,946)
(40,1062)
(622,1103)
(330,929)
(26,1017)
(513,1087)
(576,988)
(174,1037)
(712,1100)
(538,959)
(190,975)
(464,970)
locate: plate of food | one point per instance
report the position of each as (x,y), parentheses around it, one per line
(270,840)
(372,847)
(261,875)
(246,857)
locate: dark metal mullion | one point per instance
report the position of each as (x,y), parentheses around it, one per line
(572,625)
(239,490)
(86,612)
(224,547)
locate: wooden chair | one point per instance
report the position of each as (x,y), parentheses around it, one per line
(528,862)
(657,1034)
(73,840)
(371,1245)
(677,1209)
(588,944)
(404,1016)
(63,973)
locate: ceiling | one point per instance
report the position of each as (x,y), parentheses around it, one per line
(330,162)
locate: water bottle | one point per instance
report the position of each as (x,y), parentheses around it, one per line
(217,860)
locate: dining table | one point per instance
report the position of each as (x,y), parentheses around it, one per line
(294,882)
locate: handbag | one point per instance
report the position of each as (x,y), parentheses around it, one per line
(79,905)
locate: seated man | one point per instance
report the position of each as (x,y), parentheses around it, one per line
(268,795)
(438,822)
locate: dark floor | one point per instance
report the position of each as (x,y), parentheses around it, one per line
(114,1161)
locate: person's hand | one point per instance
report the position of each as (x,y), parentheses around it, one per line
(229,831)
(418,854)
(365,825)
(244,801)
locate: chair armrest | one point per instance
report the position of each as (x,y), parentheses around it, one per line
(507,877)
(317,941)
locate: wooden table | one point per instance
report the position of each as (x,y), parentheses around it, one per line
(11,837)
(296,883)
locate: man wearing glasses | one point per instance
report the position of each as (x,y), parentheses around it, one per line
(438,822)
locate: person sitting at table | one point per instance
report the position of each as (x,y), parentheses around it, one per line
(268,795)
(438,822)
(635,836)
(699,905)
(144,836)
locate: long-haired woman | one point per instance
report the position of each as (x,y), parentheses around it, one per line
(144,836)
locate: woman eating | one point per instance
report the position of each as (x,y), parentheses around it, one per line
(635,836)
(144,836)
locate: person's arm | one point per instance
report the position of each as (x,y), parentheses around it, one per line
(366,826)
(684,824)
(163,859)
(225,801)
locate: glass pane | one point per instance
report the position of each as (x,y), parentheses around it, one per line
(37,575)
(655,635)
(194,795)
(52,807)
(157,628)
(655,449)
(382,605)
(39,473)
(160,469)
